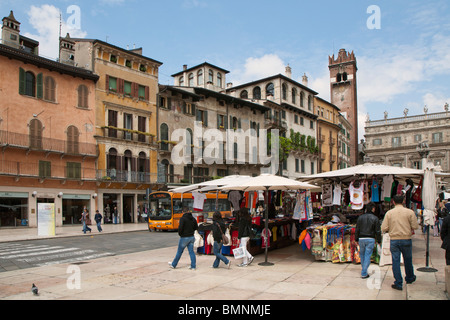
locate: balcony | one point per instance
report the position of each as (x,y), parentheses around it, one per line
(20,169)
(24,141)
(275,123)
(128,134)
(113,175)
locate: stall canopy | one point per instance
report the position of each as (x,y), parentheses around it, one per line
(268,182)
(210,185)
(364,170)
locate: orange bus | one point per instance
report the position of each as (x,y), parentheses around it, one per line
(166,208)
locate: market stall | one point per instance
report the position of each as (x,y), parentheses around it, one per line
(272,223)
(344,194)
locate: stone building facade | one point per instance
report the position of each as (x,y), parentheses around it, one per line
(395,141)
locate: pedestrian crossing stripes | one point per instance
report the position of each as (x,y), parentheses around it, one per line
(44,255)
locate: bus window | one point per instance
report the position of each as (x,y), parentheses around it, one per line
(160,206)
(224,205)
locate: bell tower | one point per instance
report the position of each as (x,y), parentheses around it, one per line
(344,93)
(67,50)
(11,31)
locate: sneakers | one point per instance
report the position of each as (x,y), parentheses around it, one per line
(251,260)
(242,265)
(228,264)
(414,279)
(394,286)
(190,268)
(171,266)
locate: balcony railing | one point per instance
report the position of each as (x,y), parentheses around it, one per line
(35,170)
(25,141)
(113,175)
(128,134)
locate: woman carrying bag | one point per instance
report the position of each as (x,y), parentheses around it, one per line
(218,231)
(244,222)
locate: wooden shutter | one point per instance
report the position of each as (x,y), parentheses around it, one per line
(120,85)
(107,83)
(147,93)
(21,81)
(39,86)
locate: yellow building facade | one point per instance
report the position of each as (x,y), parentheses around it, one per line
(327,134)
(125,125)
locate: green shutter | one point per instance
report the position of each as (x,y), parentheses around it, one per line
(39,86)
(21,81)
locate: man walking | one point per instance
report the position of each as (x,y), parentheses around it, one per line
(367,232)
(186,230)
(399,223)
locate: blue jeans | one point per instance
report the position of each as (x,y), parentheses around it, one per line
(85,227)
(366,246)
(403,247)
(99,228)
(182,244)
(217,247)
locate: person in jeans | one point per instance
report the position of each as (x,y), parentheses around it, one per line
(367,233)
(84,219)
(399,223)
(218,228)
(186,230)
(98,218)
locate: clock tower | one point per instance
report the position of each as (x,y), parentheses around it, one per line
(344,94)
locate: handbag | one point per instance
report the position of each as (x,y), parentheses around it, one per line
(225,239)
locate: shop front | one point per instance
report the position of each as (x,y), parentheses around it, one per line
(14,209)
(72,207)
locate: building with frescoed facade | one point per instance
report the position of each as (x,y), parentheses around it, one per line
(125,126)
(49,154)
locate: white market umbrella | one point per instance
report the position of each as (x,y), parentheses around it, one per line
(367,169)
(429,197)
(212,184)
(268,182)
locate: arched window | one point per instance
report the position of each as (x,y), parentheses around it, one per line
(270,90)
(30,84)
(111,163)
(142,167)
(50,89)
(200,77)
(83,95)
(190,142)
(257,93)
(164,133)
(219,80)
(284,91)
(294,95)
(338,77)
(344,76)
(244,94)
(191,79)
(181,81)
(36,134)
(72,140)
(302,99)
(210,76)
(309,103)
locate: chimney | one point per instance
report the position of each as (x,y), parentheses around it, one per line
(305,80)
(184,67)
(288,72)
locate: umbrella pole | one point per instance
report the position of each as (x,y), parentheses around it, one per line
(266,225)
(427,268)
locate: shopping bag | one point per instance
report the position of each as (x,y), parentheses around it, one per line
(239,253)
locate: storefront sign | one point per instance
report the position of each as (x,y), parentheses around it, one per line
(46,219)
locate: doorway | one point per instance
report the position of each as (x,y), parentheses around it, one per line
(128,208)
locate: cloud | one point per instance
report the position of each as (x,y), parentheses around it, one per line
(46,21)
(258,68)
(435,103)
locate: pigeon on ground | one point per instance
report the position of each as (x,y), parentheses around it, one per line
(34,289)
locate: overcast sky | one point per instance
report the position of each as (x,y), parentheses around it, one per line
(402,47)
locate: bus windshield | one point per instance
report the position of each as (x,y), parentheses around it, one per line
(160,206)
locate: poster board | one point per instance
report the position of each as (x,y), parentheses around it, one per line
(46,219)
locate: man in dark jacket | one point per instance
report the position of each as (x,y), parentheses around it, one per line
(445,236)
(186,230)
(367,232)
